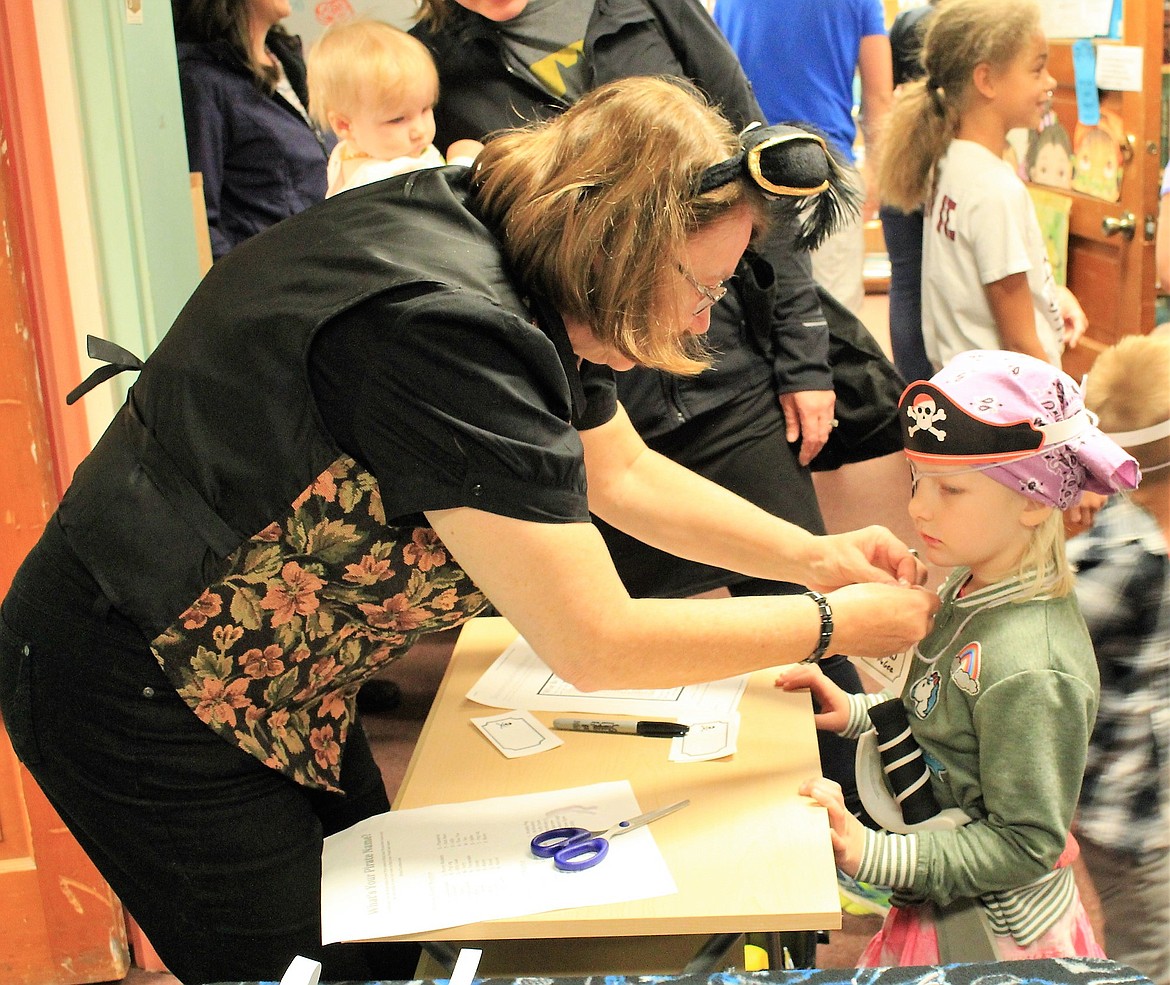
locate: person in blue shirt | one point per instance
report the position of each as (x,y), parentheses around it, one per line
(807,74)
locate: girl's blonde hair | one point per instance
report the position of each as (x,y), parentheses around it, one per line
(961,35)
(594,209)
(1044,567)
(365,62)
(1127,389)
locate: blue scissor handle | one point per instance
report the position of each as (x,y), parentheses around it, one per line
(548,843)
(580,853)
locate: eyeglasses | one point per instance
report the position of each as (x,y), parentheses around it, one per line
(710,295)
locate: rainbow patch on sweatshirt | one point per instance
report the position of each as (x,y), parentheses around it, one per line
(966,672)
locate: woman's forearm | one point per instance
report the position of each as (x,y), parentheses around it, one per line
(558,587)
(669,507)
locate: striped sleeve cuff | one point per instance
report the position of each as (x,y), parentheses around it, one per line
(858,719)
(888,859)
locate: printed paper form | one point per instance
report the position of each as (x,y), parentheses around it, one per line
(520,679)
(411,871)
(1076,18)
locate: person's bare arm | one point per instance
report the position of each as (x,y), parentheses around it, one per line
(557,584)
(1010,300)
(665,504)
(876,70)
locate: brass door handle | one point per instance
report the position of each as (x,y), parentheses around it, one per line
(1125,224)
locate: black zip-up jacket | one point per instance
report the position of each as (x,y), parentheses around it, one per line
(764,333)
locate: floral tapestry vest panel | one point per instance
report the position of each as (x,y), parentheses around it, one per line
(271,655)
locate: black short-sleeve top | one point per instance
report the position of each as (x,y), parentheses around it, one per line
(461,404)
(254,507)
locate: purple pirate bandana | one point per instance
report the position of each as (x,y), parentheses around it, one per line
(1020,421)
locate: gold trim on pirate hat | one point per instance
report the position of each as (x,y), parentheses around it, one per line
(792,164)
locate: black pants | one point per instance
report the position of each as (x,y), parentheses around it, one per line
(217,856)
(740,446)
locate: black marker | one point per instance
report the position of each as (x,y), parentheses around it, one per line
(659,730)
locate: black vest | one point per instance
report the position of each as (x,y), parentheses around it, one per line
(221,433)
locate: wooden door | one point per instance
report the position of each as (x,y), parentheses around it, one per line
(59,921)
(1111,244)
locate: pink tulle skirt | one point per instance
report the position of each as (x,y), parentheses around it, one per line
(908,938)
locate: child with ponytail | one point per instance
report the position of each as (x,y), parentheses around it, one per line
(986,279)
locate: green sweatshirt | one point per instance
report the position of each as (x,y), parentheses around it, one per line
(1001,697)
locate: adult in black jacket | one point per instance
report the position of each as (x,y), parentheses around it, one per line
(726,423)
(366,420)
(504,62)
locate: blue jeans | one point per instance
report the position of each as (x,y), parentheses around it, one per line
(903,235)
(217,856)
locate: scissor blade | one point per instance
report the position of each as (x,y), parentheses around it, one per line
(636,822)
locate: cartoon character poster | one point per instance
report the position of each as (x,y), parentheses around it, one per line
(1097,160)
(1052,212)
(1090,161)
(1016,150)
(1049,159)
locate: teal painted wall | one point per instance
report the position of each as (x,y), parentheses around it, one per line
(132,120)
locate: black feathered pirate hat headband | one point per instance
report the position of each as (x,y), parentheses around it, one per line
(792,164)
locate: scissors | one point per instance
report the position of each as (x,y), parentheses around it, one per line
(574,849)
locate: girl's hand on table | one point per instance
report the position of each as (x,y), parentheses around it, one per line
(847,832)
(831,699)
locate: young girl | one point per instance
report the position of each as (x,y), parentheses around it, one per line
(1002,694)
(376,88)
(986,281)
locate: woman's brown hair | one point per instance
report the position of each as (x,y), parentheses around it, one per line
(205,21)
(433,13)
(595,206)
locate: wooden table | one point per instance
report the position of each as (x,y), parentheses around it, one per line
(748,855)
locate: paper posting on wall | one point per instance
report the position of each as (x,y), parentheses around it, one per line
(1076,18)
(1119,67)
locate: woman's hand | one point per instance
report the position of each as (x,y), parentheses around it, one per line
(871,554)
(832,700)
(877,620)
(808,418)
(847,833)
